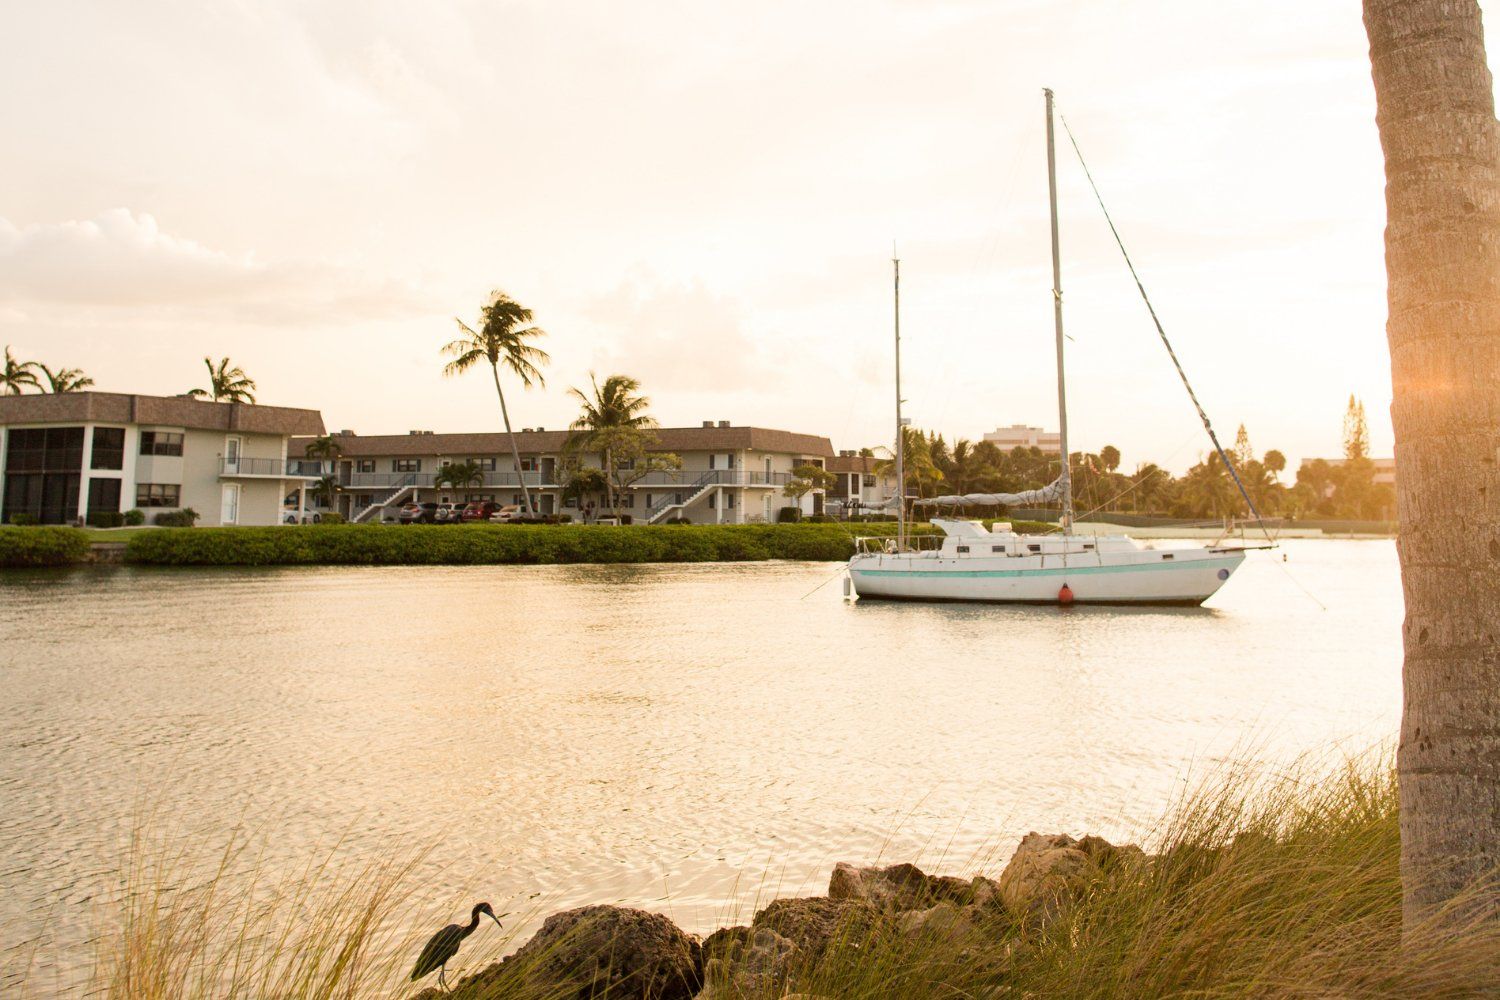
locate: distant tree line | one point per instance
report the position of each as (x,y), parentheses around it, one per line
(1341,489)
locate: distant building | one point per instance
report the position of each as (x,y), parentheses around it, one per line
(1022,436)
(64,456)
(860,485)
(1385,470)
(729,475)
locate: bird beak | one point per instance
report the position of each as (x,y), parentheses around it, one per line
(497,921)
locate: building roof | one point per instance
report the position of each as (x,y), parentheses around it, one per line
(673,439)
(851,463)
(169,411)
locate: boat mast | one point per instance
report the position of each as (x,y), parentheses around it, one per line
(900,423)
(1062,391)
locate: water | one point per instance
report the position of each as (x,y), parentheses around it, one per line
(678,737)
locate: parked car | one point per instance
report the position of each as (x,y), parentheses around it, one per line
(479,510)
(509,512)
(417,513)
(448,513)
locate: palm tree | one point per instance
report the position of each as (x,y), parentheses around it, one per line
(1435,109)
(18,375)
(65,379)
(614,414)
(226,384)
(503,338)
(327,449)
(458,474)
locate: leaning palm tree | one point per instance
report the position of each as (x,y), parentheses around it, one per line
(1435,109)
(503,339)
(65,379)
(614,412)
(226,384)
(18,376)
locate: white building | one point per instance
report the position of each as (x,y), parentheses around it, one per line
(1022,436)
(64,456)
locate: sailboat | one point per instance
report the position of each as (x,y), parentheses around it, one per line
(976,563)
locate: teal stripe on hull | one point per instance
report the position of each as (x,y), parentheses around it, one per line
(1050,571)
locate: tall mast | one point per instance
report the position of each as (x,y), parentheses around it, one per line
(1062,390)
(900,424)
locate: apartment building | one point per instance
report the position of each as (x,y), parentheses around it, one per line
(861,485)
(65,456)
(1022,436)
(729,474)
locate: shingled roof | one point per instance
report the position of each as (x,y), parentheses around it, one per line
(674,439)
(167,411)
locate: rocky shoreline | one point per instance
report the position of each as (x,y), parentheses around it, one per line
(617,952)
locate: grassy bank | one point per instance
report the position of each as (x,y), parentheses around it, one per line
(24,547)
(1287,889)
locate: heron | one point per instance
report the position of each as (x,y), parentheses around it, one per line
(444,945)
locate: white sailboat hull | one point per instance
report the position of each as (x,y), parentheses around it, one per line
(1179,576)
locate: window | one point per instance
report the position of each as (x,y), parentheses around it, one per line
(997,548)
(161,443)
(730,460)
(677,498)
(45,449)
(627,500)
(869,480)
(406,465)
(364,465)
(648,501)
(529,465)
(570,501)
(1034,548)
(485,464)
(963,548)
(625,463)
(711,460)
(1166,555)
(109,449)
(104,496)
(158,494)
(729,501)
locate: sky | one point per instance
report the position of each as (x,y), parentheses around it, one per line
(706,197)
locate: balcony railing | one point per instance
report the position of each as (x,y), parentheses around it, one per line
(293,468)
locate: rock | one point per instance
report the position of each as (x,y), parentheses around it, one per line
(951,923)
(897,888)
(746,962)
(596,951)
(811,922)
(985,891)
(1041,874)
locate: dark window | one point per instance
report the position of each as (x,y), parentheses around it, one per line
(45,449)
(1167,555)
(963,548)
(485,464)
(158,495)
(364,465)
(529,465)
(624,463)
(869,480)
(406,465)
(161,443)
(997,548)
(1087,546)
(729,501)
(730,458)
(109,448)
(104,495)
(677,498)
(1034,548)
(625,500)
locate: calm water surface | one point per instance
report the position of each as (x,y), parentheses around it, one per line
(678,737)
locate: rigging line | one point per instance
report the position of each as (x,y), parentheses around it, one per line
(1207,425)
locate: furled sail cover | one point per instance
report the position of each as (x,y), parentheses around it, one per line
(1029,498)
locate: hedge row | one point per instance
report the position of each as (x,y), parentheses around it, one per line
(42,547)
(369,544)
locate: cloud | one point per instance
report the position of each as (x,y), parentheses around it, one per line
(124,260)
(678,336)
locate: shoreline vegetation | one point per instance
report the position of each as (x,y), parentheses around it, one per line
(477,544)
(1288,886)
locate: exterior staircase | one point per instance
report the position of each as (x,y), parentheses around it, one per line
(391,499)
(661,510)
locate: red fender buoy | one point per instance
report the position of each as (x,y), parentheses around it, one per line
(1065,596)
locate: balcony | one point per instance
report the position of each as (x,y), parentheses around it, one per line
(269,468)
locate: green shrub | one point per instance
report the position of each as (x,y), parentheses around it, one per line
(23,520)
(106,519)
(43,547)
(332,518)
(135,517)
(788,515)
(483,543)
(819,519)
(678,520)
(184,518)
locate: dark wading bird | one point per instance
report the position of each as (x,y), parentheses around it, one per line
(444,945)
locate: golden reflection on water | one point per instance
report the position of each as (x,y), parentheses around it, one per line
(684,738)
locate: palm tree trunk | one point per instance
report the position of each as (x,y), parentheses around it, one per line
(609,481)
(515,449)
(1435,110)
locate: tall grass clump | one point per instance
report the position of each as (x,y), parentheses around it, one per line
(1288,887)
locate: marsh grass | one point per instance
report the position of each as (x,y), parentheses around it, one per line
(1287,886)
